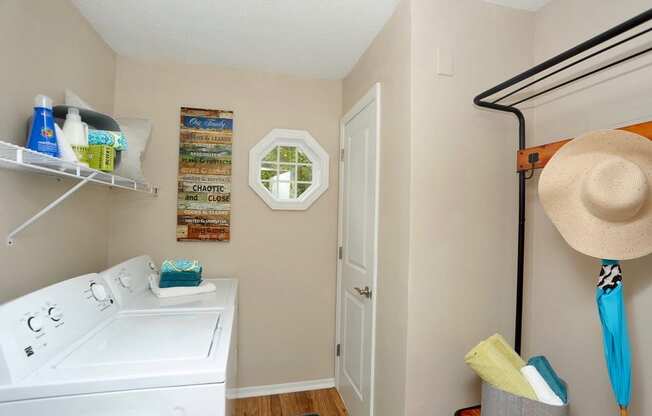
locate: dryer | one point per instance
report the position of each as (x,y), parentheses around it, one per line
(129,281)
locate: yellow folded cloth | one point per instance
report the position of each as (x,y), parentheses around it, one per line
(498,364)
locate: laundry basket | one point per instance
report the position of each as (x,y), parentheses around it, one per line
(500,403)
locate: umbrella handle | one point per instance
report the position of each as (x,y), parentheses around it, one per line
(623,411)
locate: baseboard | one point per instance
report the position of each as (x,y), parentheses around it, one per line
(256,391)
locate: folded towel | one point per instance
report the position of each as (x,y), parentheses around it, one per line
(499,365)
(178,283)
(506,350)
(557,384)
(541,388)
(114,139)
(181,265)
(180,276)
(204,287)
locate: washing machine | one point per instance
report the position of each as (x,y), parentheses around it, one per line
(74,349)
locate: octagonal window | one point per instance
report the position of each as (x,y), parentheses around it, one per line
(288,169)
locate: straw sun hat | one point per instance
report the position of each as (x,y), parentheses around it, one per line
(597,191)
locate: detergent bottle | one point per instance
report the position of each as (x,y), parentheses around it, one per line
(42,136)
(76,133)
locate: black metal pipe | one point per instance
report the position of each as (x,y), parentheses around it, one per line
(572,64)
(572,52)
(579,77)
(520,260)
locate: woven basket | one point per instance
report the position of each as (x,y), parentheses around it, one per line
(500,403)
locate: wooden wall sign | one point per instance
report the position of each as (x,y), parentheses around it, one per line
(546,151)
(204,180)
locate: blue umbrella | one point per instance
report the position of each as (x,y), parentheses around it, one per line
(613,317)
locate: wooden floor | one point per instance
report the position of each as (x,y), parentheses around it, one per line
(325,402)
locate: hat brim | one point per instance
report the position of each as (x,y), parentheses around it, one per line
(560,194)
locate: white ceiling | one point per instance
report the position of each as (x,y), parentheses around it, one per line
(311,38)
(531,5)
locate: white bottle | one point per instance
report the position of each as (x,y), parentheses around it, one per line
(75,130)
(76,133)
(66,151)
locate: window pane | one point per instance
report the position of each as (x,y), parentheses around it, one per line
(302,157)
(268,186)
(272,155)
(267,174)
(305,173)
(301,188)
(284,190)
(288,154)
(287,173)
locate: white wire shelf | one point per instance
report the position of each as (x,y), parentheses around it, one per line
(20,158)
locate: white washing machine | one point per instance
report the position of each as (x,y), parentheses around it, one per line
(73,349)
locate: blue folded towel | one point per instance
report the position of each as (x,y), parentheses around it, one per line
(178,283)
(190,276)
(544,368)
(181,265)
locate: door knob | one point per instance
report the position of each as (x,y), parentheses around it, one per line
(366,292)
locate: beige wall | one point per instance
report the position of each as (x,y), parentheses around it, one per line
(285,260)
(560,314)
(463,201)
(388,61)
(46,47)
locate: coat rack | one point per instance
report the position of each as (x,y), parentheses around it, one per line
(536,157)
(532,158)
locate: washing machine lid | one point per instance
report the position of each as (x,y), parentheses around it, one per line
(147,338)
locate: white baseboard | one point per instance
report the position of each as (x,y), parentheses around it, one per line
(256,391)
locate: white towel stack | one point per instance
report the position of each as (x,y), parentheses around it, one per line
(541,388)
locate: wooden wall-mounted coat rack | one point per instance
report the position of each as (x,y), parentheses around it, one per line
(537,157)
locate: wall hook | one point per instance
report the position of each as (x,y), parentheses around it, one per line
(533,158)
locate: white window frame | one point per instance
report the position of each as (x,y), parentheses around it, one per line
(293,138)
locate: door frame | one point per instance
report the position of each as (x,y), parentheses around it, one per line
(371,95)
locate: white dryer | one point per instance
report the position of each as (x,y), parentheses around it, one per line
(129,281)
(73,349)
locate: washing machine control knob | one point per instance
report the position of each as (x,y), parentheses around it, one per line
(125,280)
(55,314)
(98,291)
(35,323)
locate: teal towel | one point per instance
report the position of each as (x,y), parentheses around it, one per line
(181,265)
(180,276)
(178,283)
(557,385)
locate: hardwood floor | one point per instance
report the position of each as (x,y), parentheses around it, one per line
(326,402)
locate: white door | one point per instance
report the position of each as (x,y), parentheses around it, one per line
(358,242)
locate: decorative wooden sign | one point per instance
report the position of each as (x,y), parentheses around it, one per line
(546,151)
(204,181)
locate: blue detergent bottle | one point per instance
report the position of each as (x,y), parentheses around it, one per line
(42,136)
